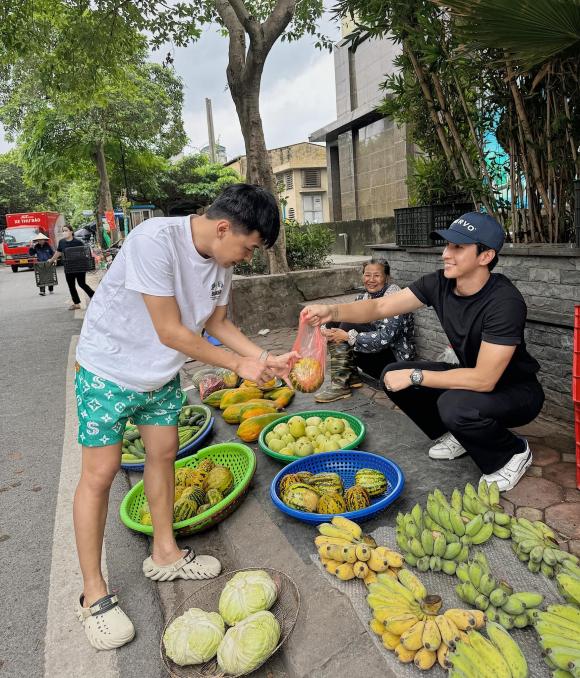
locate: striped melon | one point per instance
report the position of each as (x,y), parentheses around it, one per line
(205,465)
(195,494)
(356,498)
(331,503)
(327,483)
(286,481)
(184,509)
(301,497)
(373,481)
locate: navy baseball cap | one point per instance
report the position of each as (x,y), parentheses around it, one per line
(473,228)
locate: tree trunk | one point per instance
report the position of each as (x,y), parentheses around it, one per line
(447,150)
(105,203)
(259,167)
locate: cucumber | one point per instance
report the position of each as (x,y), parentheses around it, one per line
(131,435)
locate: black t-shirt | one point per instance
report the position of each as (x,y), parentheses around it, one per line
(496,314)
(64,244)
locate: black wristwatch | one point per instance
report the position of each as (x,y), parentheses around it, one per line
(416,377)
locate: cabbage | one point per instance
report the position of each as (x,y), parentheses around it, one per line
(249,643)
(246,593)
(194,637)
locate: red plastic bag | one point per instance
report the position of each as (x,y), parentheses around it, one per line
(307,373)
(209,384)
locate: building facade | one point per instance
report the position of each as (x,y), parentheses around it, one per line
(301,173)
(368,155)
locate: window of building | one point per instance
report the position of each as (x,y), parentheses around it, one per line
(291,213)
(288,180)
(311,178)
(312,207)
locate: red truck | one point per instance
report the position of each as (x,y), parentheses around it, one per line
(21,228)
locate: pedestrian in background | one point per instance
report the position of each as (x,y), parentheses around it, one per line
(71,278)
(41,249)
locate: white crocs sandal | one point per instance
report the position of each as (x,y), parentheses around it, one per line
(189,566)
(105,623)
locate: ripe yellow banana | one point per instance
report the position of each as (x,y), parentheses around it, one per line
(360,569)
(463,619)
(403,655)
(385,614)
(376,562)
(442,655)
(413,584)
(348,526)
(371,578)
(332,551)
(424,659)
(401,623)
(413,638)
(377,627)
(431,635)
(448,631)
(391,573)
(349,554)
(509,649)
(490,655)
(393,558)
(329,530)
(390,640)
(344,571)
(363,552)
(322,540)
(479,617)
(331,565)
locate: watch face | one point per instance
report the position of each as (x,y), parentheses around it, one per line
(416,377)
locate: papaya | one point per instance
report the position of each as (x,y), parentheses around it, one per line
(214,399)
(239,395)
(256,411)
(284,397)
(250,429)
(277,392)
(233,413)
(268,385)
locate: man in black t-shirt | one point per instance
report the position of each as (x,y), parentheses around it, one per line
(468,407)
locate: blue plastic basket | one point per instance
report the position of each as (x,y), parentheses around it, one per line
(184,451)
(346,463)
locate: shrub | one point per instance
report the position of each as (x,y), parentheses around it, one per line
(307,246)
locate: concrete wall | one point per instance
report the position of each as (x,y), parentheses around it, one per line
(548,278)
(273,301)
(361,232)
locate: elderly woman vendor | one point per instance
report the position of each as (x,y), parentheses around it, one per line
(367,347)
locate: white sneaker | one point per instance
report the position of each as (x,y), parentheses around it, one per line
(510,475)
(447,447)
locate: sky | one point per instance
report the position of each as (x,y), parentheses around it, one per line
(297,95)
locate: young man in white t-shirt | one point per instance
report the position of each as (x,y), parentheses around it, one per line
(171,280)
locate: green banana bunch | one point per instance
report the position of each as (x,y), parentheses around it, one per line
(558,628)
(480,657)
(485,502)
(497,599)
(426,545)
(535,543)
(569,587)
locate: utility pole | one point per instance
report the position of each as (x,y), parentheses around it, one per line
(210,130)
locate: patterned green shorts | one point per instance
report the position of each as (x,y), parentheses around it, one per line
(104,407)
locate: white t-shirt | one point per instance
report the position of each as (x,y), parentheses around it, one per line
(118,341)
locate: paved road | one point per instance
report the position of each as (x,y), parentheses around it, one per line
(37,478)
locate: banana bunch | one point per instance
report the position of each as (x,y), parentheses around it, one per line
(558,628)
(497,599)
(474,516)
(498,656)
(409,623)
(569,582)
(347,553)
(427,548)
(535,543)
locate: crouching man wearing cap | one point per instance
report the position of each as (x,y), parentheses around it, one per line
(471,407)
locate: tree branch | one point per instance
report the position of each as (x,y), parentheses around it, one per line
(236,38)
(251,26)
(276,23)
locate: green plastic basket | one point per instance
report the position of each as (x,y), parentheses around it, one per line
(355,423)
(240,459)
